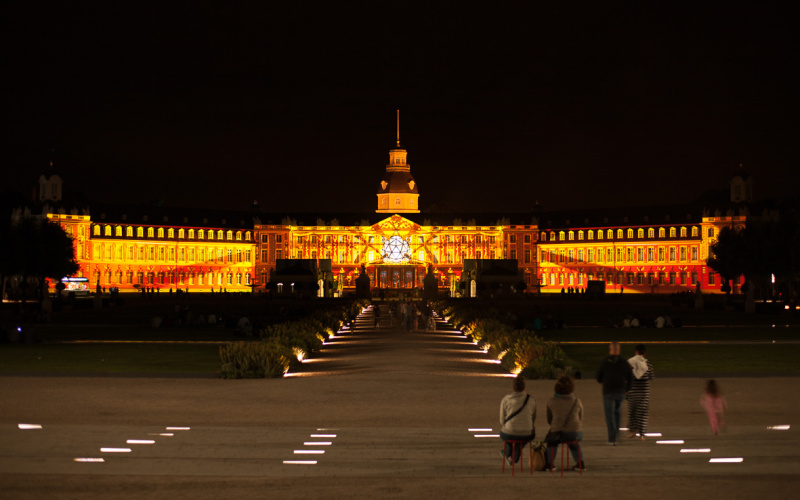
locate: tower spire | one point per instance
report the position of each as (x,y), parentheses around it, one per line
(398,128)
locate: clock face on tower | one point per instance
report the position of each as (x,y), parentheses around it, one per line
(395,250)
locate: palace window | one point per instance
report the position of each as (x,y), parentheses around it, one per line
(619,234)
(672,254)
(580,235)
(695,231)
(712,279)
(397,201)
(229,236)
(683,253)
(527,238)
(710,232)
(449,257)
(513,255)
(683,232)
(191,234)
(571,279)
(238,237)
(264,255)
(191,254)
(561,255)
(661,254)
(609,234)
(181,233)
(511,238)
(182,254)
(553,279)
(580,279)
(543,256)
(580,256)
(151,253)
(630,234)
(210,234)
(590,255)
(279,238)
(694,278)
(108,231)
(561,279)
(161,232)
(651,233)
(238,255)
(639,278)
(118,231)
(640,254)
(672,232)
(640,233)
(694,253)
(650,255)
(161,253)
(478,239)
(683,279)
(571,235)
(671,278)
(527,256)
(590,235)
(230,279)
(247,237)
(219,235)
(229,255)
(171,233)
(662,232)
(478,254)
(464,238)
(630,255)
(492,254)
(201,234)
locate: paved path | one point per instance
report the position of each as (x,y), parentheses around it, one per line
(400,405)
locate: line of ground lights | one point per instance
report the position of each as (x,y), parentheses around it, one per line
(482,350)
(343,329)
(124,450)
(322,433)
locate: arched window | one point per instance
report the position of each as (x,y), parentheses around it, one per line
(247,238)
(662,232)
(599,234)
(651,233)
(129,231)
(139,232)
(610,234)
(108,231)
(590,235)
(171,233)
(562,236)
(683,232)
(161,232)
(630,234)
(238,236)
(619,234)
(181,233)
(219,234)
(672,232)
(210,234)
(580,235)
(191,234)
(118,231)
(640,233)
(201,234)
(150,232)
(571,235)
(229,235)
(695,231)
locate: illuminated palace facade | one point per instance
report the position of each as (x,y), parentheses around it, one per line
(642,250)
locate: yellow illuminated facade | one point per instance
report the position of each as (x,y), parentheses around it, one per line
(397,245)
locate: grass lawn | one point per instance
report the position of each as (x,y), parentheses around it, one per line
(645,335)
(705,359)
(110,358)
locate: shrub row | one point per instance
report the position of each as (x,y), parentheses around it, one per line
(519,351)
(284,345)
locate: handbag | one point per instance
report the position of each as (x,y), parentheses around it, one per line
(539,456)
(557,436)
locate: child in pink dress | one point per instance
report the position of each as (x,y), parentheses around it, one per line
(715,405)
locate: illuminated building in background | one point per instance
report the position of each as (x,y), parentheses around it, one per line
(636,250)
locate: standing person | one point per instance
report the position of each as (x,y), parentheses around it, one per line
(565,414)
(518,419)
(639,395)
(376,311)
(715,405)
(616,376)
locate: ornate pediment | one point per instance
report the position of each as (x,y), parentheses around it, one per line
(396,223)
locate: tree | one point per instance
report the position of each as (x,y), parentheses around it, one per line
(729,256)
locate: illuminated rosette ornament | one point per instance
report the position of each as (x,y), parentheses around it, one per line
(396,250)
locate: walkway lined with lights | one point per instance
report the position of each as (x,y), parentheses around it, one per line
(375,403)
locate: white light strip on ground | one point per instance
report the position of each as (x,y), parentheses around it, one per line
(653,434)
(26,427)
(178,428)
(477,429)
(487,435)
(89,460)
(140,441)
(160,434)
(624,429)
(300,462)
(317,443)
(778,427)
(322,435)
(670,441)
(726,460)
(115,450)
(309,452)
(695,450)
(323,429)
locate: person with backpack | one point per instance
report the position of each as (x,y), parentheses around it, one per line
(518,419)
(565,414)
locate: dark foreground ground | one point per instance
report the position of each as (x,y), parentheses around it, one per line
(401,406)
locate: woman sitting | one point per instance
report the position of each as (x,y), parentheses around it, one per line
(564,414)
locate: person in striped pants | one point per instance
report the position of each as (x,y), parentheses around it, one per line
(639,395)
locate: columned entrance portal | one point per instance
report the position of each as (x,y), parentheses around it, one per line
(400,276)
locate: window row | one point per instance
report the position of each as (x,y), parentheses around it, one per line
(609,255)
(650,279)
(171,278)
(153,253)
(622,234)
(160,232)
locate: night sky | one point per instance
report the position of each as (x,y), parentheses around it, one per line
(502,104)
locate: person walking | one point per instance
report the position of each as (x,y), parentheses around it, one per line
(518,419)
(639,395)
(715,405)
(565,414)
(616,376)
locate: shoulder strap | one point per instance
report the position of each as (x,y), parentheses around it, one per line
(570,412)
(527,397)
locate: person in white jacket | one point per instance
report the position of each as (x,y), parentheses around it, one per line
(639,395)
(518,418)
